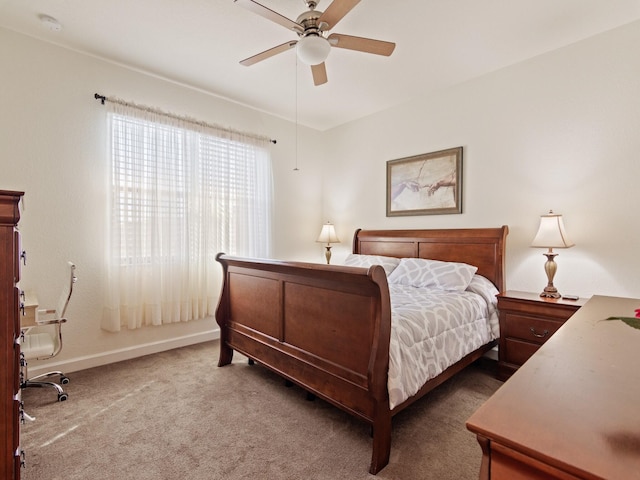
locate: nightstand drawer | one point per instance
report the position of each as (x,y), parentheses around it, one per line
(530,329)
(517,352)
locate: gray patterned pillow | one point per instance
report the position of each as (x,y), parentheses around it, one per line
(388,263)
(420,272)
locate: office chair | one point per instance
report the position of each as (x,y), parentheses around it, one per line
(45,345)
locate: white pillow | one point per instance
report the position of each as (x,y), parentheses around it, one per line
(388,263)
(485,288)
(421,272)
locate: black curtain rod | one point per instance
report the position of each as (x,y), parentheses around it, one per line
(103,99)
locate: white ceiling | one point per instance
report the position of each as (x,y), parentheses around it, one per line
(200,42)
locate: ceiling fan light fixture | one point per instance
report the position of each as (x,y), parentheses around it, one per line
(313,49)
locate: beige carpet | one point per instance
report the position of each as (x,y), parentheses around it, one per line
(176,415)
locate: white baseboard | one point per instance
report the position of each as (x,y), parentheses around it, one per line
(104,358)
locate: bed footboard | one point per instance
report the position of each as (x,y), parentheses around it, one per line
(323,327)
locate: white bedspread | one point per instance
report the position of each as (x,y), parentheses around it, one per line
(432,329)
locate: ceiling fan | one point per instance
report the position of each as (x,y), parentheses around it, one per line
(314,45)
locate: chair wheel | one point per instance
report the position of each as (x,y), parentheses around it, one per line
(62,397)
(64,380)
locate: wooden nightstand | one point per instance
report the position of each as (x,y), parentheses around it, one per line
(526,322)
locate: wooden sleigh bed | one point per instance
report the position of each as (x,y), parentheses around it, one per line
(327,328)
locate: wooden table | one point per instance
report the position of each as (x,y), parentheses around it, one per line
(573,409)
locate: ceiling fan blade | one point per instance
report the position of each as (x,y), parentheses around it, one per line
(319,74)
(269,14)
(367,45)
(269,53)
(336,11)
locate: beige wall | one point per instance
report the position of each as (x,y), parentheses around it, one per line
(52,146)
(559,131)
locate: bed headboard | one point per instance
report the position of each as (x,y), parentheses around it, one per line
(480,247)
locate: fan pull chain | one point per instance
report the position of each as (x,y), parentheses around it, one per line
(296,114)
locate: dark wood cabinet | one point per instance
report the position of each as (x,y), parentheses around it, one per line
(571,411)
(10,401)
(526,322)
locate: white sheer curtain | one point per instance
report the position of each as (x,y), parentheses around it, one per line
(180,193)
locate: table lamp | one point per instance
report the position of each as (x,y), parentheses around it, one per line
(551,234)
(328,236)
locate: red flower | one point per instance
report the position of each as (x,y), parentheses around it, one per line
(637,312)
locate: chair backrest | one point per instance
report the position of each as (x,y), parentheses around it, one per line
(34,342)
(63,302)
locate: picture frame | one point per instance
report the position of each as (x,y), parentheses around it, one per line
(427,184)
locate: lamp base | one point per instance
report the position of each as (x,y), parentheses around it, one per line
(550,268)
(550,292)
(327,254)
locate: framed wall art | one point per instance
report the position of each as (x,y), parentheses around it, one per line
(427,184)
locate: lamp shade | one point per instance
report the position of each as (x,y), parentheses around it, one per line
(551,233)
(328,234)
(313,49)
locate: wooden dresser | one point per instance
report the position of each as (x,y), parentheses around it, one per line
(526,322)
(10,402)
(573,409)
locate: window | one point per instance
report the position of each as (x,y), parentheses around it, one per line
(180,193)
